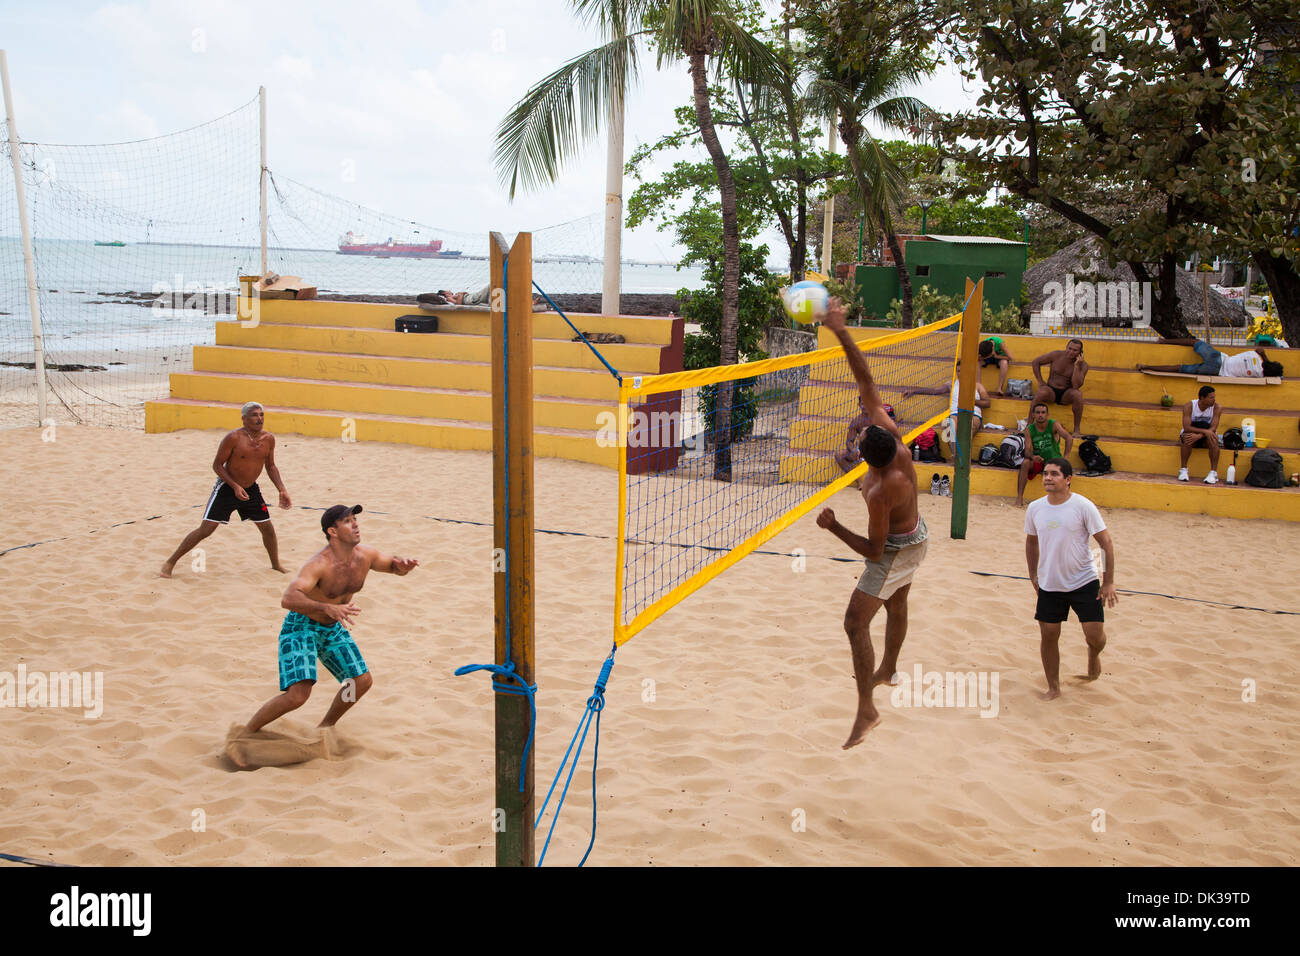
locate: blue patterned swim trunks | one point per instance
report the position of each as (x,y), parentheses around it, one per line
(302,640)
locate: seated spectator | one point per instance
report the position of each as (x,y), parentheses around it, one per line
(993,352)
(850,456)
(482,296)
(982,401)
(1064,381)
(1043,438)
(1253,364)
(1200,430)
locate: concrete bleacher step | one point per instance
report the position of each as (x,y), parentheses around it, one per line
(548,442)
(469,348)
(643,330)
(471,405)
(396,370)
(1115,490)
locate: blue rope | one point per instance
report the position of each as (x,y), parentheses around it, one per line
(595,704)
(595,351)
(521,689)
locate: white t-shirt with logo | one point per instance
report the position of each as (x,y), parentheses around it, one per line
(1243,365)
(1064,530)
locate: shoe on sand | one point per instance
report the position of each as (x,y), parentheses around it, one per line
(1182,475)
(1212,478)
(945,487)
(934,483)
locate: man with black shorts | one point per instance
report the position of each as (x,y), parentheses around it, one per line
(319,602)
(240,458)
(1057,529)
(1065,375)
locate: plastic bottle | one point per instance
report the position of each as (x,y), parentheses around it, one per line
(1248,432)
(1232,474)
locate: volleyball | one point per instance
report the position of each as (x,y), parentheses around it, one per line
(806,301)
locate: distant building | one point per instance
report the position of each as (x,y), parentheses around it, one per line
(944,263)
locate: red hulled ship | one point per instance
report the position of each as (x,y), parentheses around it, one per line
(351,244)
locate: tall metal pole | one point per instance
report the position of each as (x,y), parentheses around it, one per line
(611,282)
(261,102)
(25,229)
(512,487)
(828,227)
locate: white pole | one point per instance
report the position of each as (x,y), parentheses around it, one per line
(828,227)
(611,282)
(25,228)
(261,100)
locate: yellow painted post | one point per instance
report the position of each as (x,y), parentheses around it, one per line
(969,351)
(511,304)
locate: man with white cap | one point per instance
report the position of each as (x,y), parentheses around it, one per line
(241,456)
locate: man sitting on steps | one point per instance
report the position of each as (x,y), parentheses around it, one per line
(1200,430)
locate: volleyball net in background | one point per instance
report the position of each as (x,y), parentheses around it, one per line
(697,494)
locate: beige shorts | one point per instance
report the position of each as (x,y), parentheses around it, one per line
(903,555)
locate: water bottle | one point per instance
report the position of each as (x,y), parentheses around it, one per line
(1232,474)
(1248,432)
(916,452)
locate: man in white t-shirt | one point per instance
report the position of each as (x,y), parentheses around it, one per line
(1057,529)
(1252,364)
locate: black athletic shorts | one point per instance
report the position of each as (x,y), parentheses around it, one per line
(1054,606)
(991,360)
(222,502)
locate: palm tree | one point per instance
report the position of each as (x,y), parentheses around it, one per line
(546,127)
(871,90)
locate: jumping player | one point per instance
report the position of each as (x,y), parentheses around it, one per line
(895,543)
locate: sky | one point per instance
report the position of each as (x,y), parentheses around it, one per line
(392,104)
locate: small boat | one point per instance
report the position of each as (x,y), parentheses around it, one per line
(115,242)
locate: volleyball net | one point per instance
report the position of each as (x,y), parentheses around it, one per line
(716,462)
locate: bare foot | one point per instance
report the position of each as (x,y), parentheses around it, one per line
(1094,667)
(166,571)
(860,728)
(1050,694)
(883,677)
(998,393)
(276,567)
(1020,502)
(1141,367)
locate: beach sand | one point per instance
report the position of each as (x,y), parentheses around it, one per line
(721,736)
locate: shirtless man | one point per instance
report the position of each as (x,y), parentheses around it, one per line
(1064,383)
(319,602)
(895,541)
(240,458)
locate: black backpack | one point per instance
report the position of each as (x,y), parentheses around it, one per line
(1266,469)
(1093,458)
(1011,452)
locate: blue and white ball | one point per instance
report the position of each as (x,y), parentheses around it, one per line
(806,301)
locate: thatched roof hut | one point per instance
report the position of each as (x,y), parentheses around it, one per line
(1082,262)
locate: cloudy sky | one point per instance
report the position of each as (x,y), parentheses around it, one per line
(392,104)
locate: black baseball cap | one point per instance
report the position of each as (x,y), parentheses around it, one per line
(334,513)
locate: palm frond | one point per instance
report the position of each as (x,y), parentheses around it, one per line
(561,113)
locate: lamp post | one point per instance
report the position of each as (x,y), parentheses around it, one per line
(925,205)
(1024,218)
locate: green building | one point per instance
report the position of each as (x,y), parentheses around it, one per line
(944,263)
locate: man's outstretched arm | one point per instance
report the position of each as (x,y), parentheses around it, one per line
(834,321)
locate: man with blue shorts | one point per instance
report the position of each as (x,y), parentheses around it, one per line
(319,602)
(1252,364)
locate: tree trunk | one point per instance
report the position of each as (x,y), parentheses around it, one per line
(730,326)
(904,280)
(1284,282)
(1166,314)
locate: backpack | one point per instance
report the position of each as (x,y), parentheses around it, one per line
(1233,440)
(1019,388)
(1266,469)
(1011,453)
(927,446)
(988,455)
(1093,458)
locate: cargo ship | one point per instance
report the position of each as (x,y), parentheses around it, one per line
(351,244)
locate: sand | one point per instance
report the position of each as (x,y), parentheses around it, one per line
(721,737)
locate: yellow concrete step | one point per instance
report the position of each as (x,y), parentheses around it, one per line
(388,370)
(176,414)
(386,399)
(1098,352)
(466,348)
(1118,490)
(651,330)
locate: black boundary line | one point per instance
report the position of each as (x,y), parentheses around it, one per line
(1172,597)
